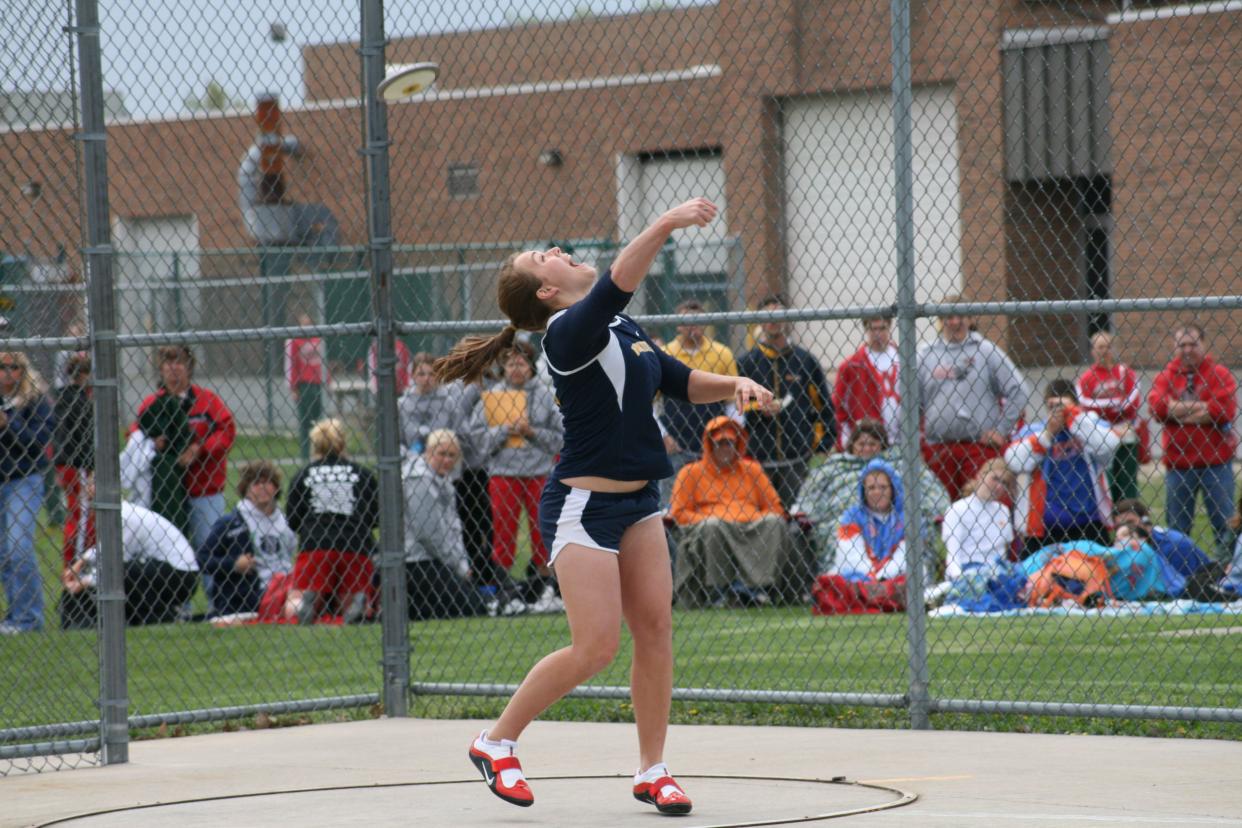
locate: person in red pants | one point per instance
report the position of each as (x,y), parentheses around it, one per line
(73,452)
(517,430)
(333,506)
(972,397)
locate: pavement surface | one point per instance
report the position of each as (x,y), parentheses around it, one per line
(415,772)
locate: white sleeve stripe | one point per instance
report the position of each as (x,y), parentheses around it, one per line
(586,364)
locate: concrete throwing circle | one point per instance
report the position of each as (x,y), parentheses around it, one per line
(720,802)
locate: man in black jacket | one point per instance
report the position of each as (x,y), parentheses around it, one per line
(799,420)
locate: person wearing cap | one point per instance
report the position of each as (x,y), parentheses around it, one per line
(733,536)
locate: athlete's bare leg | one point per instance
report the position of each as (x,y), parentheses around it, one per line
(591,589)
(646,601)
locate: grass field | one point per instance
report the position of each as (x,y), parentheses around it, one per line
(1189,661)
(1192,661)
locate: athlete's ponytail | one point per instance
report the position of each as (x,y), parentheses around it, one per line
(516,295)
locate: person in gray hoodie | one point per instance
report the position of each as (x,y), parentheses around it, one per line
(437,570)
(517,430)
(426,405)
(972,396)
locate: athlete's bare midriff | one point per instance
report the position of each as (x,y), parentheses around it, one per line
(603,484)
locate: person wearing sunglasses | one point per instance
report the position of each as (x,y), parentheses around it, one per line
(26,423)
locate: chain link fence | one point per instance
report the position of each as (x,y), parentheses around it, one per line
(985,255)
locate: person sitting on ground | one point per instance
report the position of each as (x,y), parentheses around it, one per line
(832,487)
(161,572)
(1067,457)
(1192,567)
(733,537)
(1229,586)
(1134,569)
(333,505)
(249,552)
(869,573)
(871,534)
(437,570)
(979,527)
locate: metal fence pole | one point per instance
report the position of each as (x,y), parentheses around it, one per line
(916,618)
(396,643)
(113,683)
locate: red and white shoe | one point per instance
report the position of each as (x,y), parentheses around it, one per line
(663,792)
(498,763)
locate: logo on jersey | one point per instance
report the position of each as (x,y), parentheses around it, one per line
(640,348)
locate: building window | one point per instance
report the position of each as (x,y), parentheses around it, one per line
(463,180)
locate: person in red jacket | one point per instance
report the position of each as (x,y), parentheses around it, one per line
(1110,389)
(866,385)
(205,459)
(1195,398)
(306,371)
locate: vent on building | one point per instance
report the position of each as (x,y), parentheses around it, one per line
(1056,103)
(463,180)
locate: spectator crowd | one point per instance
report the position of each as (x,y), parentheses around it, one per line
(1023,499)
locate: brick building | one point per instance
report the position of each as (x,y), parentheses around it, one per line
(1057,155)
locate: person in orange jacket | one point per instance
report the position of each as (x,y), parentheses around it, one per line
(733,536)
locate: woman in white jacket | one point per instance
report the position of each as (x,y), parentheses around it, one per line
(979,527)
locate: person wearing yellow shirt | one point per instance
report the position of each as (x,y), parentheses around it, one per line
(683,422)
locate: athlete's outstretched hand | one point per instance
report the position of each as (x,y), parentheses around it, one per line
(696,211)
(747,393)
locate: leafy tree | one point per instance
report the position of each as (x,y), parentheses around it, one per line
(215,98)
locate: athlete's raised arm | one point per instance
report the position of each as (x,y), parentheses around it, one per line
(635,259)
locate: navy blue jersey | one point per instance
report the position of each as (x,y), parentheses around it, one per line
(606,372)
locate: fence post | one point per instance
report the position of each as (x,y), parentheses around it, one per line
(907,310)
(113,683)
(395,641)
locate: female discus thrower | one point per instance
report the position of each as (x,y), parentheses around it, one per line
(600,507)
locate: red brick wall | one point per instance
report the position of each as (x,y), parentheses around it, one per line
(1175,109)
(1177,115)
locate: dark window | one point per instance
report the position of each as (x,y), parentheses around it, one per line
(463,180)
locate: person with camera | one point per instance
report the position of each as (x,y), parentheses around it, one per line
(1067,456)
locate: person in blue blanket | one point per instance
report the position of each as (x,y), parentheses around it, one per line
(1189,570)
(1135,570)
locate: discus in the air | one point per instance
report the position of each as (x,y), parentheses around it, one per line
(405,80)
